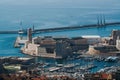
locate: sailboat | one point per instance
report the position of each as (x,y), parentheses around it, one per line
(22,31)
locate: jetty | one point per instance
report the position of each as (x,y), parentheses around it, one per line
(9,32)
(99,25)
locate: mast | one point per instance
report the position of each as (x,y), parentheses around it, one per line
(101,22)
(21,29)
(98,22)
(21,26)
(104,21)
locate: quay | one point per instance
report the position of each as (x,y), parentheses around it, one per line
(63,28)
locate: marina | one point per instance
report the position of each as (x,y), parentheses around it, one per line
(67,68)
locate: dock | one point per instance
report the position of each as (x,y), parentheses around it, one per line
(64,28)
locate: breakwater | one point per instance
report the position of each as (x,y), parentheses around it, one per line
(63,28)
(76,27)
(9,32)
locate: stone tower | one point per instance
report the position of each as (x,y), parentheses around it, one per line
(29,35)
(115,34)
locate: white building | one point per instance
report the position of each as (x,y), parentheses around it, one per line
(92,39)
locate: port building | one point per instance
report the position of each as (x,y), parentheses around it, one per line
(56,47)
(109,46)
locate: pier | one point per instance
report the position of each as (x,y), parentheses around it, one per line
(99,25)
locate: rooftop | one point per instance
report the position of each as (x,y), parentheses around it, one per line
(90,36)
